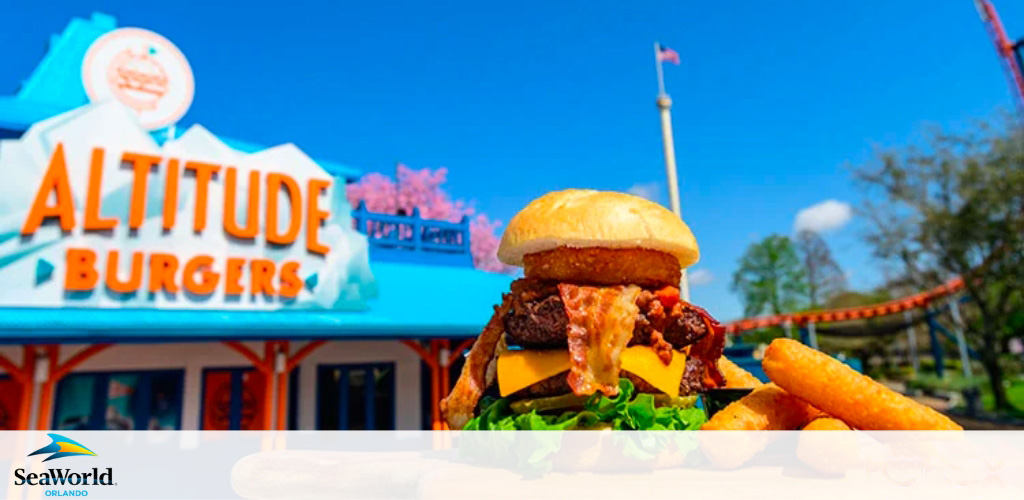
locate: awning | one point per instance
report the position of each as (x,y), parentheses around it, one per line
(415,301)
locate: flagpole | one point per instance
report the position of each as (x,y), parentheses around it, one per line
(664,107)
(661,74)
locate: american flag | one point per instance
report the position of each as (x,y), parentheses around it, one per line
(666,54)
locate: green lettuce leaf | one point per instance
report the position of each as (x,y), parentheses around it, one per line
(626,411)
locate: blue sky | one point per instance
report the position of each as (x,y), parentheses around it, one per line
(771,101)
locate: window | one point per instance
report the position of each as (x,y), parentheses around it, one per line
(233,399)
(356,397)
(141,400)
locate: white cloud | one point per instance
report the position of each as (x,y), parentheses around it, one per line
(699,277)
(654,191)
(824,216)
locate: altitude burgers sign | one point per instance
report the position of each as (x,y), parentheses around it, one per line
(85,269)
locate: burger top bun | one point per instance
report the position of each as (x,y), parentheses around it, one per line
(579,218)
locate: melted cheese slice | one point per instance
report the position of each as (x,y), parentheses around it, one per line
(518,370)
(644,362)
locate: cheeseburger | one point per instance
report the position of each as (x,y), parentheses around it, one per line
(595,335)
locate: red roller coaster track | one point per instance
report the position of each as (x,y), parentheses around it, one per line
(919,300)
(1007,50)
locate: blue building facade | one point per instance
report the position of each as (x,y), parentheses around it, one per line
(158,276)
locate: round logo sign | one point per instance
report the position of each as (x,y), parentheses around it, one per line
(143,71)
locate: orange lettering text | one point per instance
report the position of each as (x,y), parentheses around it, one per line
(274,184)
(262,279)
(80,269)
(162,267)
(141,165)
(93,221)
(171,195)
(200,264)
(134,279)
(291,285)
(203,172)
(252,208)
(314,216)
(55,180)
(232,277)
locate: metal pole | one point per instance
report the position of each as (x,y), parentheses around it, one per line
(664,106)
(788,328)
(961,342)
(812,335)
(661,73)
(908,316)
(933,337)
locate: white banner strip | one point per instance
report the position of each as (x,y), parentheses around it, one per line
(513,465)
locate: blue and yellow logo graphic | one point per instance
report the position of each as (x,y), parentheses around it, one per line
(62,447)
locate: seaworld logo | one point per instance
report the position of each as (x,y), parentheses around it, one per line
(59,448)
(62,447)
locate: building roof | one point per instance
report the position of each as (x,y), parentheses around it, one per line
(415,302)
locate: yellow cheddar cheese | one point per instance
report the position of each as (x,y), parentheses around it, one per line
(518,370)
(643,362)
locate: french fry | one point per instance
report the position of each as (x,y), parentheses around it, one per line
(840,391)
(827,453)
(826,424)
(736,377)
(768,408)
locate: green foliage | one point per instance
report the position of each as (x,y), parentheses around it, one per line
(771,277)
(627,411)
(955,207)
(951,383)
(1014,394)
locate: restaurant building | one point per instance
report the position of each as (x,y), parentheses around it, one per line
(157,276)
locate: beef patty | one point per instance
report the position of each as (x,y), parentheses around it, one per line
(537,318)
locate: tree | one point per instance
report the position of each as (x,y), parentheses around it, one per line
(955,207)
(770,278)
(422,190)
(825,278)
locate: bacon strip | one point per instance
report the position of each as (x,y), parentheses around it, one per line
(477,373)
(709,348)
(601,321)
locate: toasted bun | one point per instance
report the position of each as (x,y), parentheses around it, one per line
(582,218)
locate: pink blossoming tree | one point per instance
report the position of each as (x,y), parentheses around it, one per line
(422,190)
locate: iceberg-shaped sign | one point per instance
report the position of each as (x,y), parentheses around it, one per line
(95,213)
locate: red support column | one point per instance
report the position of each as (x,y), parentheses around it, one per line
(275,406)
(268,385)
(282,388)
(268,375)
(23,376)
(28,365)
(55,372)
(46,393)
